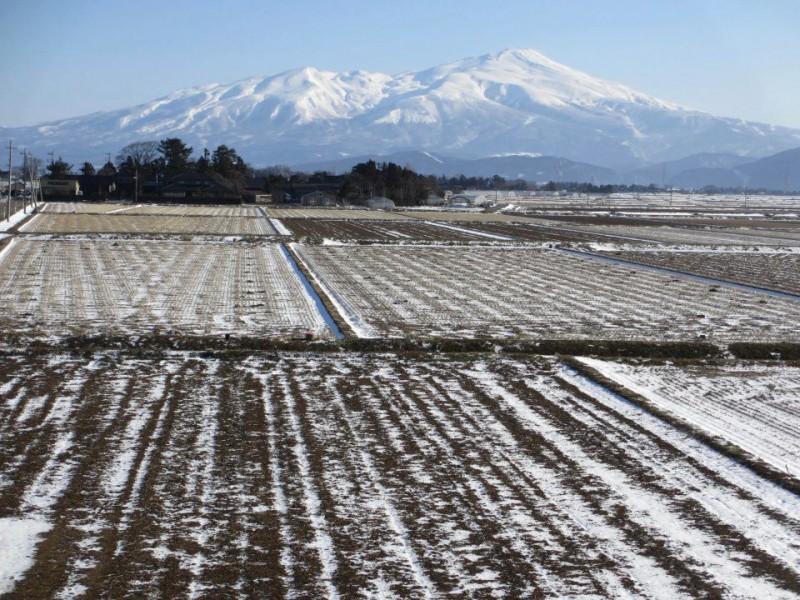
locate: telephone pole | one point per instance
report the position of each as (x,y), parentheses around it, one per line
(8,199)
(24,179)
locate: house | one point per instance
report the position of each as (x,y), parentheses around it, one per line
(60,187)
(191,187)
(97,187)
(256,191)
(318,198)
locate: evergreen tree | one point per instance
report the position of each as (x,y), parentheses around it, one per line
(88,169)
(175,156)
(59,169)
(108,169)
(230,166)
(204,162)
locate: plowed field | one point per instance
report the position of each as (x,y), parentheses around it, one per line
(60,287)
(511,291)
(298,475)
(778,271)
(156,224)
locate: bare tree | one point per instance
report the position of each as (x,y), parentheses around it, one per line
(142,153)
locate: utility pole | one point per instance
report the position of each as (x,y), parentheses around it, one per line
(8,200)
(136,186)
(51,155)
(24,178)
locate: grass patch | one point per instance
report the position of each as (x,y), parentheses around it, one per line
(760,351)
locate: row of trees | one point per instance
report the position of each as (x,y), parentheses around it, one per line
(171,156)
(164,160)
(400,184)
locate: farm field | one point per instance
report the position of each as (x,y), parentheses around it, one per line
(193,210)
(67,287)
(656,202)
(469,216)
(755,406)
(758,221)
(333,213)
(529,232)
(398,231)
(184,210)
(343,470)
(84,208)
(681,235)
(303,475)
(771,270)
(508,291)
(155,224)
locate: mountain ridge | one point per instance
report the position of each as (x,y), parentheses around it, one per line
(517,101)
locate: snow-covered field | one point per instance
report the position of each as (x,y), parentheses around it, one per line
(371,475)
(119,222)
(385,230)
(302,475)
(333,213)
(656,201)
(755,406)
(471,217)
(128,208)
(521,291)
(682,235)
(83,286)
(764,267)
(84,208)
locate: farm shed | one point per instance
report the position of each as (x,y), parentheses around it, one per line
(380,203)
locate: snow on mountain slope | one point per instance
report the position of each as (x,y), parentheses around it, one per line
(511,102)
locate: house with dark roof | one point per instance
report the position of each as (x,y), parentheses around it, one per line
(199,188)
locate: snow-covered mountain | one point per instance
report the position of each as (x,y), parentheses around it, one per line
(512,102)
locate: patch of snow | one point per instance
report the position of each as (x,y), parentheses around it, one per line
(18,538)
(279,226)
(485,234)
(15,219)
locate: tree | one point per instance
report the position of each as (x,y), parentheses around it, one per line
(31,166)
(59,169)
(203,163)
(87,169)
(400,184)
(175,155)
(230,166)
(142,156)
(108,169)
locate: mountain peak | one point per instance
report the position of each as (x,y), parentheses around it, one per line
(514,102)
(528,56)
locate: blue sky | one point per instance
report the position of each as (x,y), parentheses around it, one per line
(735,58)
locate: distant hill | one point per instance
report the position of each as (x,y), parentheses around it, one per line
(670,172)
(530,168)
(780,172)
